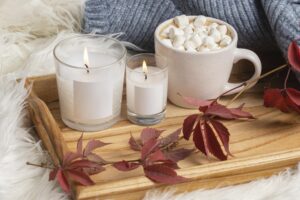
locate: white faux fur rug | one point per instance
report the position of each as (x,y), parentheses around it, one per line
(284,186)
(28,31)
(17,146)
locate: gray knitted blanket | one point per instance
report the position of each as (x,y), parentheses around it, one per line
(262,25)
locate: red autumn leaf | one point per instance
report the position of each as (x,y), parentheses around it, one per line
(171,164)
(95,158)
(178,154)
(198,139)
(219,111)
(52,174)
(223,112)
(92,171)
(70,156)
(149,133)
(162,174)
(294,96)
(134,144)
(205,138)
(80,177)
(92,145)
(196,102)
(63,182)
(173,137)
(81,164)
(188,125)
(126,166)
(149,147)
(239,113)
(294,56)
(156,156)
(79,145)
(223,133)
(286,100)
(211,141)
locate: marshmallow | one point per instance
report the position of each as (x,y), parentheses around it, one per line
(188,30)
(178,41)
(175,32)
(217,47)
(203,49)
(192,50)
(226,40)
(167,42)
(201,30)
(198,41)
(189,45)
(181,21)
(209,42)
(214,25)
(222,29)
(216,35)
(188,36)
(200,21)
(166,31)
(181,48)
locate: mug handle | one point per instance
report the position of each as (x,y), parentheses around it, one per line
(240,54)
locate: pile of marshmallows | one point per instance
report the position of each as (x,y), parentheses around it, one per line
(197,36)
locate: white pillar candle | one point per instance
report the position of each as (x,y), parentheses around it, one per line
(146,90)
(90,95)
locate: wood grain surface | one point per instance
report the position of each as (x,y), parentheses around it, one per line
(261,147)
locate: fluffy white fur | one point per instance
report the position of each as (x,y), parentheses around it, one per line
(284,186)
(29,29)
(17,146)
(27,26)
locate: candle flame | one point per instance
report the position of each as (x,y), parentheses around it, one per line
(145,69)
(86,57)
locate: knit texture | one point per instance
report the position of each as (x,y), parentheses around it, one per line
(262,25)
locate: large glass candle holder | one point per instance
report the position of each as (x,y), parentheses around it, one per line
(90,74)
(146,88)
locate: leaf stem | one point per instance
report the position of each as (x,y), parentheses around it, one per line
(253,81)
(241,85)
(111,162)
(42,165)
(286,78)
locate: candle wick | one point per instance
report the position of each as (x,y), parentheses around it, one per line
(87,68)
(145,76)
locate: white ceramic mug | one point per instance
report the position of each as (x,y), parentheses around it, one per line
(202,75)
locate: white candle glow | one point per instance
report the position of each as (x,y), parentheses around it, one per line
(146,90)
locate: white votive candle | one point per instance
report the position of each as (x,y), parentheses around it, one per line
(146,90)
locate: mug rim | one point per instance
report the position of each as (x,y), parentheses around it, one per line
(232,29)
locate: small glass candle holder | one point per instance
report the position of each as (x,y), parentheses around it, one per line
(90,75)
(146,88)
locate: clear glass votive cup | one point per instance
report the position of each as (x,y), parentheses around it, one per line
(146,88)
(90,74)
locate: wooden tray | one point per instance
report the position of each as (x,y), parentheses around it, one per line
(261,147)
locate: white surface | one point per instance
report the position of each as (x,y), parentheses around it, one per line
(93,100)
